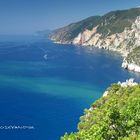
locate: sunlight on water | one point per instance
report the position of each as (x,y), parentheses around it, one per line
(53,87)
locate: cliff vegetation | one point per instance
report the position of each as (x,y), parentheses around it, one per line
(112,117)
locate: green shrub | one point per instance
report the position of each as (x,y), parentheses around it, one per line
(114,117)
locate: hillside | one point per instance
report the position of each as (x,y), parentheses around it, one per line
(113,30)
(117,31)
(68,33)
(115,116)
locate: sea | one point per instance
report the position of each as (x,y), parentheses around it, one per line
(45,87)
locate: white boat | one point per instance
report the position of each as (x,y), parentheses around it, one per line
(45,56)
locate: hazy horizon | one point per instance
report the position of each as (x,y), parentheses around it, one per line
(25,17)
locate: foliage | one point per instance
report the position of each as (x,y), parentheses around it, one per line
(113,117)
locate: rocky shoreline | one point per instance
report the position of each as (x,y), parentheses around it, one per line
(130,66)
(125,64)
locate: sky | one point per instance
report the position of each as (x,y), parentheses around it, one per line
(29,16)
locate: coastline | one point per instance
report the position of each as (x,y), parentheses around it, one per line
(129,66)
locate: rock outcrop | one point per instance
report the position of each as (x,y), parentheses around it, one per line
(132,60)
(128,83)
(131,66)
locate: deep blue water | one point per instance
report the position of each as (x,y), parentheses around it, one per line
(51,94)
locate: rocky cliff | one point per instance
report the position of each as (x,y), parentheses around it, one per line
(117,31)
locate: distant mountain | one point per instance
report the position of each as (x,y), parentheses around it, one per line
(43,33)
(117,30)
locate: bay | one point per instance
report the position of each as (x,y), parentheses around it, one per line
(48,85)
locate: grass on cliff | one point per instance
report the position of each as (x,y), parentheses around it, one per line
(114,117)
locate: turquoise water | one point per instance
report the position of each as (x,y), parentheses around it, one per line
(51,93)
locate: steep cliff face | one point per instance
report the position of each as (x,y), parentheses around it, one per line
(123,42)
